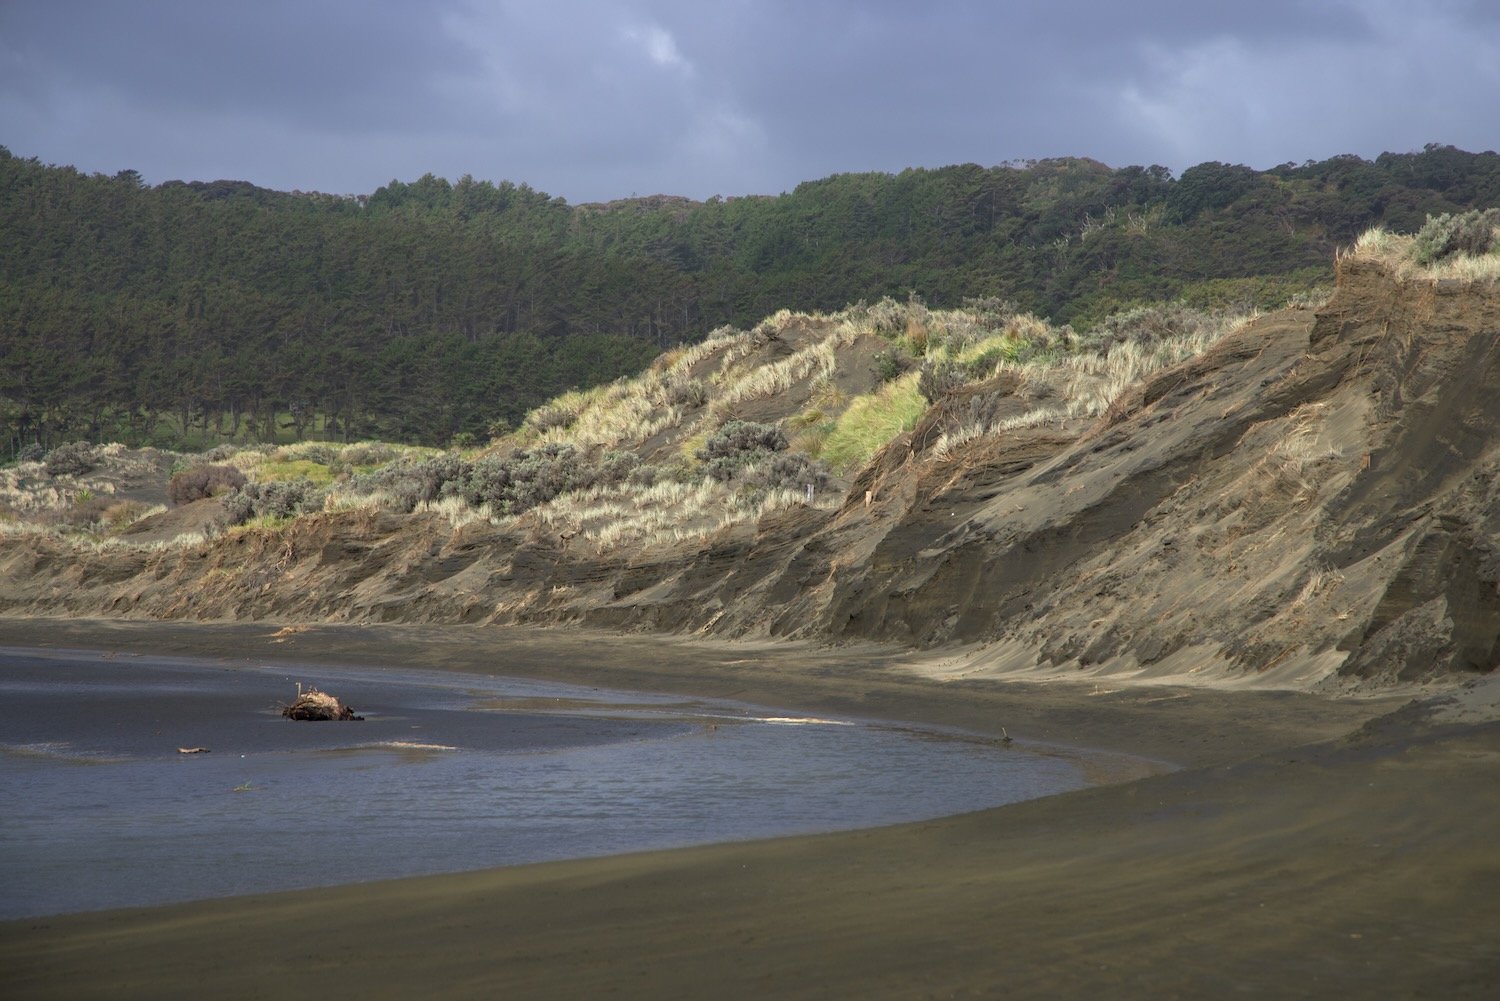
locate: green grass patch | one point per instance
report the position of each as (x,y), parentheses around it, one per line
(873,420)
(294,469)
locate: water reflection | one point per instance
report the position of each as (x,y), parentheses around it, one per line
(447,773)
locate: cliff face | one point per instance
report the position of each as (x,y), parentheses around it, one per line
(1313,499)
(1314,495)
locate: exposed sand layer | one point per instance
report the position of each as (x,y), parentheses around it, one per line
(1311,848)
(1310,504)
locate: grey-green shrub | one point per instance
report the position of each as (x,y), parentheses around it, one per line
(1445,235)
(789,471)
(274,499)
(410,483)
(517,483)
(739,444)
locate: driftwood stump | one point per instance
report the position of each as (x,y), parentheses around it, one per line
(315,705)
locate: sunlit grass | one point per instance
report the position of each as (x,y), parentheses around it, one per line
(1396,252)
(872,421)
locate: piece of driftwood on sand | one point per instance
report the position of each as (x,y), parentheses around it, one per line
(315,705)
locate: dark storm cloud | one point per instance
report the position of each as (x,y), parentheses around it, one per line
(594,99)
(339,66)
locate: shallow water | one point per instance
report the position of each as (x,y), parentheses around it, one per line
(448,772)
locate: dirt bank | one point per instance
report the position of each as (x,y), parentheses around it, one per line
(1309,504)
(1313,848)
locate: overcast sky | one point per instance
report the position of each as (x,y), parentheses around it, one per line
(593,99)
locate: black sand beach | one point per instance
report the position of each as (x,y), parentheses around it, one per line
(1307,848)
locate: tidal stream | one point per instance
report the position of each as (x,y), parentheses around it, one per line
(448,772)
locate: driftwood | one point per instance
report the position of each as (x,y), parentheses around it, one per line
(315,705)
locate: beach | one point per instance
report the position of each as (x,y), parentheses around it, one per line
(1259,842)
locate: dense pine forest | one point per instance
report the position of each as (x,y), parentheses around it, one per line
(432,311)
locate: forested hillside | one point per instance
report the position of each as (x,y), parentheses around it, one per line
(434,309)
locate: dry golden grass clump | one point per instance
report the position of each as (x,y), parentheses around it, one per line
(1400,254)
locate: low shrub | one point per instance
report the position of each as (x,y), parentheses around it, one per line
(72,459)
(941,377)
(550,417)
(203,481)
(1145,324)
(889,366)
(275,499)
(1447,235)
(219,453)
(685,393)
(739,444)
(516,483)
(789,471)
(410,483)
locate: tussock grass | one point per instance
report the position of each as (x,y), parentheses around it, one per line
(96,541)
(727,339)
(814,361)
(319,461)
(457,511)
(28,490)
(1086,385)
(873,420)
(1397,253)
(664,512)
(336,501)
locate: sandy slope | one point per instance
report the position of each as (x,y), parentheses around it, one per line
(1311,503)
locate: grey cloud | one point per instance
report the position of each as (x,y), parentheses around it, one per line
(592,99)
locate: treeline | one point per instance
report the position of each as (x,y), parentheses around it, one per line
(432,309)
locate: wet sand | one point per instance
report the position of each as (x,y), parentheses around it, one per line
(1298,852)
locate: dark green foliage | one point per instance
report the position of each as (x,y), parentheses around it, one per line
(889,365)
(72,459)
(275,499)
(1445,235)
(204,312)
(739,444)
(203,481)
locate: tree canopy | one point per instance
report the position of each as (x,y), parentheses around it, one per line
(431,308)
